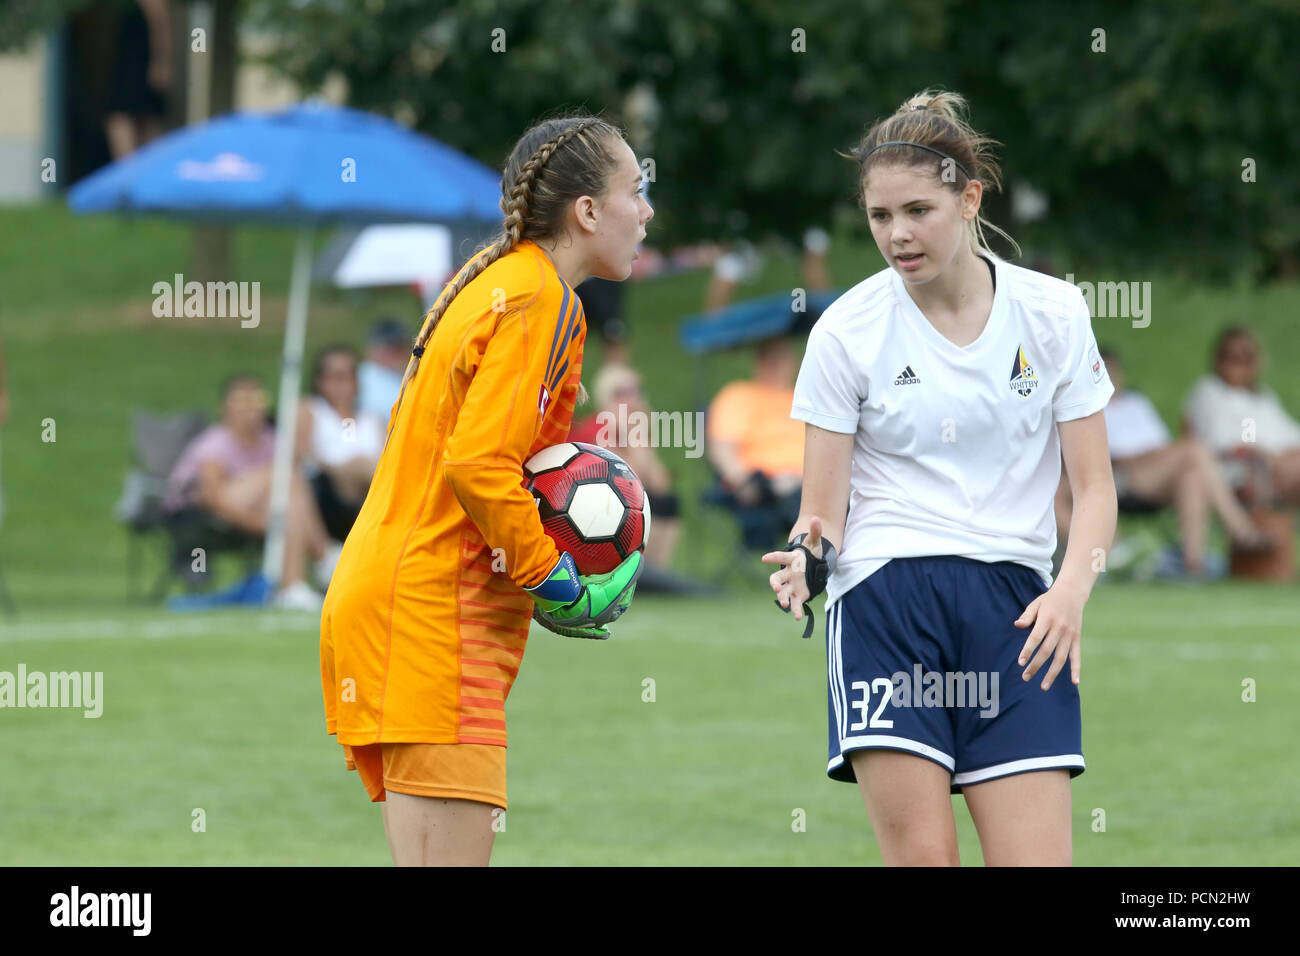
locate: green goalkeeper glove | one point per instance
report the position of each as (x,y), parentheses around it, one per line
(581,605)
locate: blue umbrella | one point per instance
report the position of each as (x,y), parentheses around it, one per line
(306,165)
(752,321)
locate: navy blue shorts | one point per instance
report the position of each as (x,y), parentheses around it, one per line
(921,657)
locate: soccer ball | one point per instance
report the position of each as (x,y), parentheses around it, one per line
(591,504)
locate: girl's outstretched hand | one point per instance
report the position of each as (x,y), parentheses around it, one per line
(791,583)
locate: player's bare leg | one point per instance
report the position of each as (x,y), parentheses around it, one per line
(433,831)
(1024,819)
(909,803)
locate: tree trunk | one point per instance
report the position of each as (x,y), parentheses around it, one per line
(211,252)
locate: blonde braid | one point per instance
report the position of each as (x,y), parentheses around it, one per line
(516,212)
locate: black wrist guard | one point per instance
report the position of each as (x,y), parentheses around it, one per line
(816,572)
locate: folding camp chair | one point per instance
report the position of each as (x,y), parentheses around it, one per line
(157,443)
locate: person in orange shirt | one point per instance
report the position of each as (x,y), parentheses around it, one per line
(756,447)
(427,614)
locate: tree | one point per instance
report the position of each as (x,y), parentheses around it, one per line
(1167,139)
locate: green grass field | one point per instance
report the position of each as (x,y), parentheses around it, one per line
(222,711)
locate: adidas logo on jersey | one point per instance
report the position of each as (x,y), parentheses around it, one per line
(1023,379)
(907,377)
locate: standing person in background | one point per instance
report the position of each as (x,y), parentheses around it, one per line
(427,615)
(929,473)
(379,376)
(142,77)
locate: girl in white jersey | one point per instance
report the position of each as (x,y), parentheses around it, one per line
(940,396)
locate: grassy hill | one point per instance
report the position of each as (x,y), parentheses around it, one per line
(82,348)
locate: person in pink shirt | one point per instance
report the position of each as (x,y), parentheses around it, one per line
(225,474)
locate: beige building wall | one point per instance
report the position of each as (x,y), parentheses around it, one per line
(22,122)
(24,98)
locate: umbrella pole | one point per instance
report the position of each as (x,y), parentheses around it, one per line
(286,419)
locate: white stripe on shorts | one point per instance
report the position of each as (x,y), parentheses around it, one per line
(837,674)
(883,741)
(1061,762)
(830,669)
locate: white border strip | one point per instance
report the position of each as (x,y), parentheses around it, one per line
(1062,762)
(833,667)
(839,672)
(882,741)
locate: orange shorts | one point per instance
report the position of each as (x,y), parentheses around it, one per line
(454,771)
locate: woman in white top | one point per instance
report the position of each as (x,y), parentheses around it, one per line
(1153,470)
(339,443)
(1242,419)
(939,395)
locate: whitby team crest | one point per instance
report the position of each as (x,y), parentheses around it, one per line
(1023,380)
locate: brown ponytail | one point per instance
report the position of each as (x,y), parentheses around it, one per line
(553,164)
(934,120)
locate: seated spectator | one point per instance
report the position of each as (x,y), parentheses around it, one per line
(1152,472)
(379,377)
(616,385)
(339,444)
(756,447)
(223,479)
(1243,421)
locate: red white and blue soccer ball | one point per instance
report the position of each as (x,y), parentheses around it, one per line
(591,504)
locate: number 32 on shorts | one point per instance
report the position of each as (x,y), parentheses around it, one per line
(883,686)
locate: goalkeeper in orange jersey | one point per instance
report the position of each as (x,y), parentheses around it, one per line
(422,632)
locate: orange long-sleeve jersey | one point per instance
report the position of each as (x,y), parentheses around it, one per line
(425,620)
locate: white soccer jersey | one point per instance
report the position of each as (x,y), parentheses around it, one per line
(956,449)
